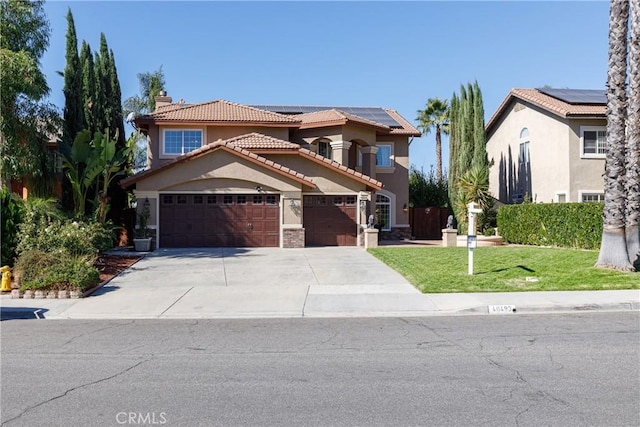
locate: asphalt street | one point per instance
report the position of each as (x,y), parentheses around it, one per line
(552,370)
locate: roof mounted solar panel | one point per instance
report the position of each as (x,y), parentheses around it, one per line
(577,96)
(375,114)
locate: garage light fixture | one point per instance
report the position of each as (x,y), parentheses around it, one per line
(292,203)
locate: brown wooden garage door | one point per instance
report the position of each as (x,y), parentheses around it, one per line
(330,220)
(206,220)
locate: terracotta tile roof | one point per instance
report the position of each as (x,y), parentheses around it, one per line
(217,111)
(407,128)
(335,117)
(258,141)
(553,105)
(226,146)
(358,176)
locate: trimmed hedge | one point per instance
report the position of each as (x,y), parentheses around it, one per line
(570,225)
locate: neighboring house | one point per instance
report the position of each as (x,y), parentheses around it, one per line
(549,145)
(225,174)
(25,185)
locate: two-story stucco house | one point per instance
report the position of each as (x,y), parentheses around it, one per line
(225,174)
(549,144)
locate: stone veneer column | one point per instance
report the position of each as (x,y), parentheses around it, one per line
(369,160)
(340,151)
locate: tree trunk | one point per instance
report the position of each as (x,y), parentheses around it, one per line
(613,250)
(438,154)
(633,141)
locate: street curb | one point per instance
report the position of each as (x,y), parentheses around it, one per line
(623,306)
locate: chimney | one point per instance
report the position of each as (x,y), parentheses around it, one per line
(162,99)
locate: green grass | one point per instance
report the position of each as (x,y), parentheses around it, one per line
(503,269)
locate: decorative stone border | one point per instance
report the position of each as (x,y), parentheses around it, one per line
(29,294)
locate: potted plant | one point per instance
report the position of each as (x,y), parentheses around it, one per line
(143,242)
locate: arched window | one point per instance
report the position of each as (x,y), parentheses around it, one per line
(383,212)
(324,148)
(524,133)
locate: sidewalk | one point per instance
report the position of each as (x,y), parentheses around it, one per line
(332,304)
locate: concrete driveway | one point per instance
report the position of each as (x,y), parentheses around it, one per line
(251,282)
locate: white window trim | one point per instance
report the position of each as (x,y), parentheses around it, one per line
(584,155)
(587,192)
(165,155)
(387,169)
(392,207)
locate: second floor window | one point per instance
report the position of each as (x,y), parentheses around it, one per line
(324,149)
(594,142)
(384,156)
(182,141)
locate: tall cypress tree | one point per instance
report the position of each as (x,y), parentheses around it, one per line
(99,94)
(454,141)
(73,110)
(480,158)
(117,122)
(88,87)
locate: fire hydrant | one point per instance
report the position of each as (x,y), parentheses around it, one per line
(6,278)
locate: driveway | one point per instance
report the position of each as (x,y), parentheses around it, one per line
(251,282)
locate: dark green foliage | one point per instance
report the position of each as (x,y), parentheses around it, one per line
(73,104)
(467,151)
(88,87)
(31,263)
(75,272)
(425,190)
(26,117)
(571,225)
(10,216)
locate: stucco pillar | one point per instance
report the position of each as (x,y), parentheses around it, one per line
(369,160)
(341,151)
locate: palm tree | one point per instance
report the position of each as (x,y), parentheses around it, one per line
(632,227)
(613,249)
(435,116)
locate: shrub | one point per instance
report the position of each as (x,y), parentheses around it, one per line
(572,225)
(75,272)
(10,217)
(64,237)
(30,264)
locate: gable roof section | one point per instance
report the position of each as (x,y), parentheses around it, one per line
(553,105)
(406,129)
(224,146)
(257,141)
(335,117)
(218,111)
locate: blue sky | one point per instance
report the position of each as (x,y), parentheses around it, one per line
(388,54)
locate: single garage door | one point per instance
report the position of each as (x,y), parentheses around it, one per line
(207,220)
(330,220)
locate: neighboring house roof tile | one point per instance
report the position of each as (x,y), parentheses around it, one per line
(407,128)
(258,141)
(226,146)
(335,117)
(216,111)
(553,105)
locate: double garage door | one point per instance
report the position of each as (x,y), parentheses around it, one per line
(250,220)
(207,220)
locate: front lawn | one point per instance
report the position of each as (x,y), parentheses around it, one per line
(503,269)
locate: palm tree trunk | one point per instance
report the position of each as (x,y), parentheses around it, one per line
(438,154)
(632,228)
(613,249)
